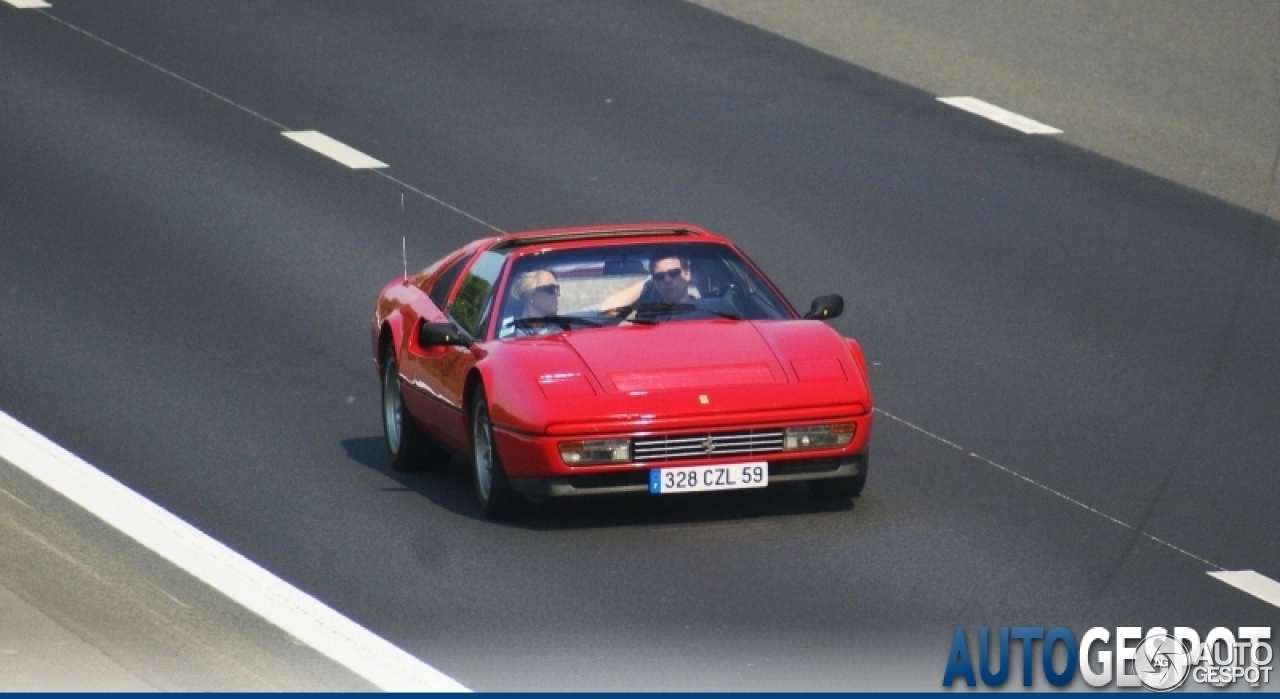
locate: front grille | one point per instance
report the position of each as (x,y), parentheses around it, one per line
(702,446)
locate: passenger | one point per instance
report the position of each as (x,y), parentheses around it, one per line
(539,295)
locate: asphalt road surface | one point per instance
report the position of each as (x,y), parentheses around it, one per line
(1074,358)
(1186,90)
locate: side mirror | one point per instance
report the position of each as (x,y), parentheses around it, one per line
(826,307)
(441,335)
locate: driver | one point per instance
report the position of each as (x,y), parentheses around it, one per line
(668,282)
(670,275)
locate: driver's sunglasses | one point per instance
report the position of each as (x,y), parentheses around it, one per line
(553,289)
(668,274)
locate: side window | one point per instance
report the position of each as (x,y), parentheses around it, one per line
(439,292)
(472,306)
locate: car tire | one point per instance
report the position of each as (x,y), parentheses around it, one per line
(409,447)
(493,490)
(845,487)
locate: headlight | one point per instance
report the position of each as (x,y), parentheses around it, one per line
(818,436)
(596,451)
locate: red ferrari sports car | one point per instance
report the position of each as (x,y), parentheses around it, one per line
(650,358)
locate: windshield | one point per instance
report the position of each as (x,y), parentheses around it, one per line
(554,291)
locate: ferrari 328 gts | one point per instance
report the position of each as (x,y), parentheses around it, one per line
(646,358)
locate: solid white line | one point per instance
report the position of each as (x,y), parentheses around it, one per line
(29,4)
(999,115)
(337,150)
(1256,584)
(301,615)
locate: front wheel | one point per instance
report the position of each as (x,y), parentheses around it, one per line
(493,490)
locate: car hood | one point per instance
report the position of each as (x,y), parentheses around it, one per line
(674,375)
(693,355)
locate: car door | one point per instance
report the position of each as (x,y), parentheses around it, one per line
(442,370)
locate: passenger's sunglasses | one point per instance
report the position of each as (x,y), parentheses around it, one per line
(553,289)
(669,274)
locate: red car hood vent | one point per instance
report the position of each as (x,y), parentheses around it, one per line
(741,375)
(678,355)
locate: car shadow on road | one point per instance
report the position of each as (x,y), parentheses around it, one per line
(777,501)
(451,488)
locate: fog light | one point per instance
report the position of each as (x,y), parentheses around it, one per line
(596,451)
(818,436)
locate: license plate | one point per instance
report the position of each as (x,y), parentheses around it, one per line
(692,479)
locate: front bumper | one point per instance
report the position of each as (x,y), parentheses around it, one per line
(636,480)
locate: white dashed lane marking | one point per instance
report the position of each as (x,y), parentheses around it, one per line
(1256,584)
(261,117)
(29,4)
(999,115)
(337,150)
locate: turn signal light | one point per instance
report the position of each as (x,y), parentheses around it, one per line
(596,451)
(818,436)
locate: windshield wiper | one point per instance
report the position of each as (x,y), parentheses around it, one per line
(670,309)
(722,313)
(565,322)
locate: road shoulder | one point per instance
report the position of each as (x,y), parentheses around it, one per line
(86,608)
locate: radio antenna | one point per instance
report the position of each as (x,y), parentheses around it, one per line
(404,245)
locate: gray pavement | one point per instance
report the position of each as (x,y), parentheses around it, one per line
(1186,90)
(38,654)
(84,608)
